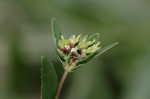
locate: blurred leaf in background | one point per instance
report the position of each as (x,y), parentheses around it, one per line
(49,79)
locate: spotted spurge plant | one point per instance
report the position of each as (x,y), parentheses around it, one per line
(72,53)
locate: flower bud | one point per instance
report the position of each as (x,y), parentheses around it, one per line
(71,44)
(73,52)
(65,49)
(82,52)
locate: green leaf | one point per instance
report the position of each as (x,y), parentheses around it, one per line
(99,52)
(48,79)
(60,69)
(55,30)
(103,50)
(94,36)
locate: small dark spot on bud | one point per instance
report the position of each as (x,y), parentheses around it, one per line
(79,51)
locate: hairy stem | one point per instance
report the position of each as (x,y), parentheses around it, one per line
(60,86)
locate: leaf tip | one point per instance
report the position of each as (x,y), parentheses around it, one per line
(53,20)
(116,43)
(42,58)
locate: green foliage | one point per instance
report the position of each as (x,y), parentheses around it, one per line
(55,30)
(99,52)
(48,79)
(94,36)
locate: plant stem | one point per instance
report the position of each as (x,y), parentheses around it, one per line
(60,86)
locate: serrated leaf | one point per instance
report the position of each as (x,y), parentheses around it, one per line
(55,30)
(48,79)
(99,52)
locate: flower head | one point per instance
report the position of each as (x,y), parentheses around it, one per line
(76,48)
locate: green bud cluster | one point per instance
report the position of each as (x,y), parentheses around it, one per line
(76,48)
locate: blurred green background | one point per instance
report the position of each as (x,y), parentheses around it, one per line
(121,73)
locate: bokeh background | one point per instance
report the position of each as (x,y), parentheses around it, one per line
(121,73)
